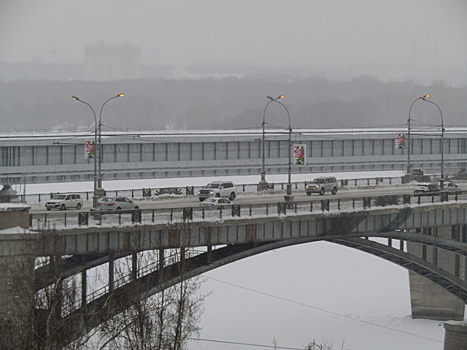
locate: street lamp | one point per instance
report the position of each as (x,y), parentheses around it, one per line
(409,166)
(263,184)
(99,175)
(288,197)
(97,130)
(95,196)
(424,98)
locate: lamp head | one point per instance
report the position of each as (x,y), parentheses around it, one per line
(424,97)
(275,99)
(120,95)
(75,98)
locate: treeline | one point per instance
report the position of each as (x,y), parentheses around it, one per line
(230,103)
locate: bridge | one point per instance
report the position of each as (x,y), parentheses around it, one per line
(38,158)
(427,235)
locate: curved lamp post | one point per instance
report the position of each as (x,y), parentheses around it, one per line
(288,197)
(409,166)
(97,130)
(94,197)
(99,175)
(263,184)
(424,98)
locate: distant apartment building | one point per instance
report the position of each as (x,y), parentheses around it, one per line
(107,62)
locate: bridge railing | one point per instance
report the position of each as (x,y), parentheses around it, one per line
(58,220)
(137,193)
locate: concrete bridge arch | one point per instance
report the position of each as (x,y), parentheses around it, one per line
(156,281)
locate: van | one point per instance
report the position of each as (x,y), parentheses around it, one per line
(64,201)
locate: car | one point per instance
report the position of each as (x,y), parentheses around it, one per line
(116,203)
(322,185)
(448,185)
(225,189)
(427,188)
(64,201)
(217,203)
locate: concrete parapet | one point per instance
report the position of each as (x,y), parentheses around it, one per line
(408,178)
(12,215)
(455,336)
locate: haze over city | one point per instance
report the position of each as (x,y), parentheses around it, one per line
(319,35)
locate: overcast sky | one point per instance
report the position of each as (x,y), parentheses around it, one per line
(258,32)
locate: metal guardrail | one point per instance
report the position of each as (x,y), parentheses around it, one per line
(193,190)
(57,220)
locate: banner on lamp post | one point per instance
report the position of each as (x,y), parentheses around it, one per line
(89,149)
(299,154)
(400,141)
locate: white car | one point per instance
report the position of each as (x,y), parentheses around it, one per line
(218,189)
(216,203)
(64,201)
(451,186)
(116,203)
(448,185)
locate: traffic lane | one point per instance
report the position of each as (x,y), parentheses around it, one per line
(256,198)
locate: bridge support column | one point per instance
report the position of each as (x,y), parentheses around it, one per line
(161,265)
(430,301)
(209,254)
(134,266)
(111,271)
(84,282)
(455,336)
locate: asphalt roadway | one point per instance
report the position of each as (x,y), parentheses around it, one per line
(261,198)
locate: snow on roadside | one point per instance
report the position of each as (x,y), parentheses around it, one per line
(194,181)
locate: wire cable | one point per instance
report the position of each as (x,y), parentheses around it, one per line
(323,310)
(249,344)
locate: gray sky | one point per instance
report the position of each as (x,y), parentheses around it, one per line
(259,32)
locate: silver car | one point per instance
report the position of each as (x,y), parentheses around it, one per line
(448,185)
(216,203)
(322,185)
(116,203)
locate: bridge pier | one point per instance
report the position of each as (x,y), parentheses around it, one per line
(455,336)
(429,300)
